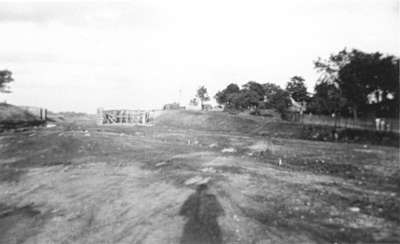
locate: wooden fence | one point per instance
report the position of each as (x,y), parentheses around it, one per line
(124,116)
(377,124)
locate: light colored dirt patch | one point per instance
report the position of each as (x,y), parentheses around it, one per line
(98,203)
(9,160)
(219,161)
(198,180)
(261,146)
(370,151)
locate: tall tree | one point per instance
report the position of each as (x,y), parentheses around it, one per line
(193,102)
(5,79)
(247,99)
(330,67)
(297,89)
(254,95)
(257,88)
(327,100)
(202,95)
(369,74)
(280,101)
(225,96)
(358,75)
(276,97)
(270,89)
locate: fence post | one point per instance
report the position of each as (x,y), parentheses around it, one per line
(100,116)
(143,117)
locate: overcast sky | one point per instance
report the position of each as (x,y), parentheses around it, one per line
(81,55)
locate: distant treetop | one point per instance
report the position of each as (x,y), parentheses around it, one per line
(5,79)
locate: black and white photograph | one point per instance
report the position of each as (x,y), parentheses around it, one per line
(200,122)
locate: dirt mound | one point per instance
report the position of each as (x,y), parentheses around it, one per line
(12,116)
(11,113)
(215,121)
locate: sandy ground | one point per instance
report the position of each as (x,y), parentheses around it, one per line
(80,183)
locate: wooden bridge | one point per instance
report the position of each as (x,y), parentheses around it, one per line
(122,117)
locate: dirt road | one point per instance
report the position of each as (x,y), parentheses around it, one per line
(86,184)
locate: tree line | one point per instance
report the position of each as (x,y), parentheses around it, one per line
(263,96)
(351,84)
(5,79)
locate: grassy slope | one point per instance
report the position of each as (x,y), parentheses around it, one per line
(13,116)
(11,113)
(212,121)
(268,126)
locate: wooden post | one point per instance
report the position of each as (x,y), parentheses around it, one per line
(100,116)
(143,118)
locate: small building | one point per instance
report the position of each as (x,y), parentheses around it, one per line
(207,107)
(297,107)
(173,106)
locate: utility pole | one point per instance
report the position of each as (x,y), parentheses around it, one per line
(180,97)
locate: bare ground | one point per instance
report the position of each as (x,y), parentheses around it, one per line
(80,183)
